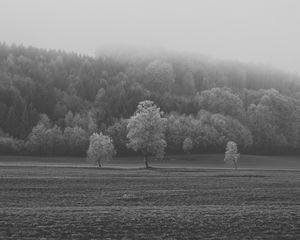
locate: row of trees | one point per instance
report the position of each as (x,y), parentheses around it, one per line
(47,139)
(206,102)
(270,126)
(205,132)
(146,134)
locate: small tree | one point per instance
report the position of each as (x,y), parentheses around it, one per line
(146,131)
(231,154)
(187,145)
(101,148)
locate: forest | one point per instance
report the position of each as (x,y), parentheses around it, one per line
(51,101)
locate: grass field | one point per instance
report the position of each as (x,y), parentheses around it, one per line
(212,161)
(66,202)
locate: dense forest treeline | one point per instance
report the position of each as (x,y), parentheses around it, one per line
(52,101)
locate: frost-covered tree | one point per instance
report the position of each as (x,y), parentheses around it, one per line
(231,154)
(101,148)
(187,145)
(146,131)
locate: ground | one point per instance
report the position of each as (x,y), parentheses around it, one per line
(71,200)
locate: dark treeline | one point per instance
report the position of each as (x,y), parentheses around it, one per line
(52,101)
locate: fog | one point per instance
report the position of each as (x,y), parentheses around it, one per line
(260,31)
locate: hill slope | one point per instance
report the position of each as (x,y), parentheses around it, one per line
(78,95)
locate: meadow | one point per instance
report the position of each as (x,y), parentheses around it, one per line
(68,199)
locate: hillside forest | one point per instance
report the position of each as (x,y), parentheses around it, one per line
(51,101)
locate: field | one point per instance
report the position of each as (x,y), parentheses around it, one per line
(70,200)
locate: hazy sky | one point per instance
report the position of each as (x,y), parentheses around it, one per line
(263,31)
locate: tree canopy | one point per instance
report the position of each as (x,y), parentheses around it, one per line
(146,131)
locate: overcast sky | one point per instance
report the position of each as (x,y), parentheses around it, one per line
(261,31)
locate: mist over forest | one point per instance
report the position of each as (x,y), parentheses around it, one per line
(52,101)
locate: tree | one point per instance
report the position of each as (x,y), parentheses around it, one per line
(45,139)
(160,76)
(231,154)
(177,129)
(146,131)
(187,145)
(118,133)
(9,145)
(266,135)
(54,141)
(188,84)
(231,129)
(77,140)
(222,100)
(36,143)
(101,148)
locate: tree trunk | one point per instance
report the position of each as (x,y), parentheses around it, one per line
(99,164)
(235,165)
(146,161)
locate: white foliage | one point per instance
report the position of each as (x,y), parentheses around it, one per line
(146,130)
(187,145)
(231,154)
(101,148)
